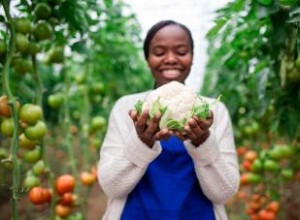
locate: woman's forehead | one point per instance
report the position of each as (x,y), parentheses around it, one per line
(169,33)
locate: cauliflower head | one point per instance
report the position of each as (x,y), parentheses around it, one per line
(176,102)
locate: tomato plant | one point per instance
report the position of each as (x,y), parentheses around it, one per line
(254,63)
(58,86)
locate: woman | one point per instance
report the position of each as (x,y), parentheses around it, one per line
(152,174)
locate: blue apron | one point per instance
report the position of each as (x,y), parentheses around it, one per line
(169,190)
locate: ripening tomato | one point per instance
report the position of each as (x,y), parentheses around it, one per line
(4,107)
(39,167)
(26,143)
(62,210)
(30,113)
(87,178)
(64,183)
(250,155)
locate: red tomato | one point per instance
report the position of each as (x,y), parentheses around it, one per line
(39,195)
(273,206)
(67,199)
(65,183)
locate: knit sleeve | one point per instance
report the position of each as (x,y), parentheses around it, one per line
(123,156)
(215,160)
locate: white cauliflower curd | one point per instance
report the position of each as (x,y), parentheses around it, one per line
(176,102)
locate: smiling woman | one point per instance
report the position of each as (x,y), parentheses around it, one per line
(152,173)
(169,52)
(198,16)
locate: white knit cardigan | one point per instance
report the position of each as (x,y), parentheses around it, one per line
(124,159)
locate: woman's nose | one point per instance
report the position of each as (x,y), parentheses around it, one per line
(170,58)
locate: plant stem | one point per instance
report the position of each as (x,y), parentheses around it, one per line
(12,101)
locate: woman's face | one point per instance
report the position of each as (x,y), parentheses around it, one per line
(170,55)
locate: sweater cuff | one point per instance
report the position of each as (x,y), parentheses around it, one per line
(138,152)
(206,153)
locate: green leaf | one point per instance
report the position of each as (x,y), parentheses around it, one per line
(139,107)
(156,107)
(220,23)
(174,124)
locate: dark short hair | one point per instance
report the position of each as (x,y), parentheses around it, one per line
(156,27)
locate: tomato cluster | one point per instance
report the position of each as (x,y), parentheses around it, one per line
(260,207)
(263,171)
(64,187)
(277,161)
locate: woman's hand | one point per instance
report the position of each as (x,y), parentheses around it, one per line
(197,130)
(148,130)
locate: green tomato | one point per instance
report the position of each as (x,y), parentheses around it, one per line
(22,25)
(297,62)
(43,31)
(2,47)
(253,178)
(39,167)
(31,181)
(287,151)
(287,174)
(36,131)
(55,100)
(3,153)
(30,113)
(257,165)
(271,165)
(98,123)
(287,2)
(34,48)
(98,88)
(265,2)
(22,65)
(7,127)
(55,55)
(33,156)
(275,153)
(42,10)
(22,43)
